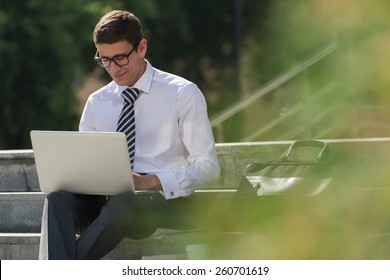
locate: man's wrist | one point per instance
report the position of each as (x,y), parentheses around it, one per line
(155,183)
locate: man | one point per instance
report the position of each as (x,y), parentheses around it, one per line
(173,154)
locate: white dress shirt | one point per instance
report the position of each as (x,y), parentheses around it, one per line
(174,139)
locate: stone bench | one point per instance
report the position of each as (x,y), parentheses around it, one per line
(18,173)
(21,222)
(19,246)
(21,212)
(363,166)
(21,201)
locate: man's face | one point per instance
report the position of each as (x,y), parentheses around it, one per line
(122,52)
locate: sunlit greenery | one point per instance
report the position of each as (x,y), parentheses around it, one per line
(46,51)
(46,55)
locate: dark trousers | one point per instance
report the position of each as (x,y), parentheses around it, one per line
(103,223)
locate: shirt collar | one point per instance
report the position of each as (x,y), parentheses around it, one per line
(144,82)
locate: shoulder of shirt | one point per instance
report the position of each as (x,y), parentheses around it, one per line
(170,79)
(109,89)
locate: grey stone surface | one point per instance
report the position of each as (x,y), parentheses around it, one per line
(22,246)
(21,212)
(21,202)
(18,172)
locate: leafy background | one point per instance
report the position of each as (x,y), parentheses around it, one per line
(227,47)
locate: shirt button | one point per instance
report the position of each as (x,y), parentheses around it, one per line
(172,194)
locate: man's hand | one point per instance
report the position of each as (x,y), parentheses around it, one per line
(146,182)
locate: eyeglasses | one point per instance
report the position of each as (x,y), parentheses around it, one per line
(120,60)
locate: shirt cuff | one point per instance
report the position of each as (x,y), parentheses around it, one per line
(169,184)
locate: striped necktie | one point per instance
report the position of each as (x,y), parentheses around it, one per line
(126,122)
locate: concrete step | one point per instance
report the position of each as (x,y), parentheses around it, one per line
(19,246)
(18,172)
(20,225)
(21,212)
(164,244)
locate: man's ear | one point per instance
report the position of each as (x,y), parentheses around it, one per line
(142,47)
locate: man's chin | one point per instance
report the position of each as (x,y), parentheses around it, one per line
(120,82)
(120,79)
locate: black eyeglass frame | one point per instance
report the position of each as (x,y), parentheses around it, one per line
(99,59)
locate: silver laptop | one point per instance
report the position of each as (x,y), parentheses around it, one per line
(82,162)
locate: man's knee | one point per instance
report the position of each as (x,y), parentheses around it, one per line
(58,199)
(55,195)
(118,210)
(128,213)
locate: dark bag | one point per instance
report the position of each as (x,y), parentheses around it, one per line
(297,175)
(290,176)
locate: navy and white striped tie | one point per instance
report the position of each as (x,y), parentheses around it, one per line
(126,122)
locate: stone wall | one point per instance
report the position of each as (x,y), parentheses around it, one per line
(362,198)
(18,173)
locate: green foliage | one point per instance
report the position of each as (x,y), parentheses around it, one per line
(42,45)
(46,50)
(228,48)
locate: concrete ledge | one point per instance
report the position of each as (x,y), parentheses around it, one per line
(224,246)
(19,246)
(21,212)
(164,243)
(359,200)
(18,173)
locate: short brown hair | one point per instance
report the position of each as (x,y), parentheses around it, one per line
(117,26)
